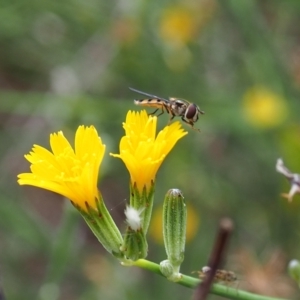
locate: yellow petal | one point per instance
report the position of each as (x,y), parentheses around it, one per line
(73,173)
(142,151)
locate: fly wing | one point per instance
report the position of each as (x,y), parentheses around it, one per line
(149,95)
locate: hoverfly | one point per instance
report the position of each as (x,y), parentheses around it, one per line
(189,112)
(224,276)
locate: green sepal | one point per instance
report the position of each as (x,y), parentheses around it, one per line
(174,226)
(135,244)
(143,202)
(168,270)
(103,226)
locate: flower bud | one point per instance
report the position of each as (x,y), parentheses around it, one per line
(174,227)
(294,270)
(135,244)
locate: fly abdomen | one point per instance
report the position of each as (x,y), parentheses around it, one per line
(156,103)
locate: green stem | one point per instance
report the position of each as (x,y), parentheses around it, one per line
(217,289)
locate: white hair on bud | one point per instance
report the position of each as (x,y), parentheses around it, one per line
(133,217)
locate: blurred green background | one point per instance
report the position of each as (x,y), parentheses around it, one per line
(67,63)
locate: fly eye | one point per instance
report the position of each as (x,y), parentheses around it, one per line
(191,112)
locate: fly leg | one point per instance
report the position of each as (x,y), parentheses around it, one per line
(190,123)
(154,112)
(162,111)
(170,112)
(171,117)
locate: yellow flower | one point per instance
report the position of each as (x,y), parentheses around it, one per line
(178,25)
(73,173)
(142,151)
(181,23)
(263,108)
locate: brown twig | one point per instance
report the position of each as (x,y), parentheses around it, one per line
(225,229)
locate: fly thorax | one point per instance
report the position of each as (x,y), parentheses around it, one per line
(178,107)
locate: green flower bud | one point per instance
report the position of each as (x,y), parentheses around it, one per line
(174,227)
(294,270)
(135,244)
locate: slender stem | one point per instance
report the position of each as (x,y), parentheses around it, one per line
(217,289)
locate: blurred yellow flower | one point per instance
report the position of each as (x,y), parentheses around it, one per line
(142,151)
(178,25)
(192,226)
(182,22)
(263,108)
(73,173)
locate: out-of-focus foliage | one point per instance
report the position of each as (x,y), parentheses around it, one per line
(68,63)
